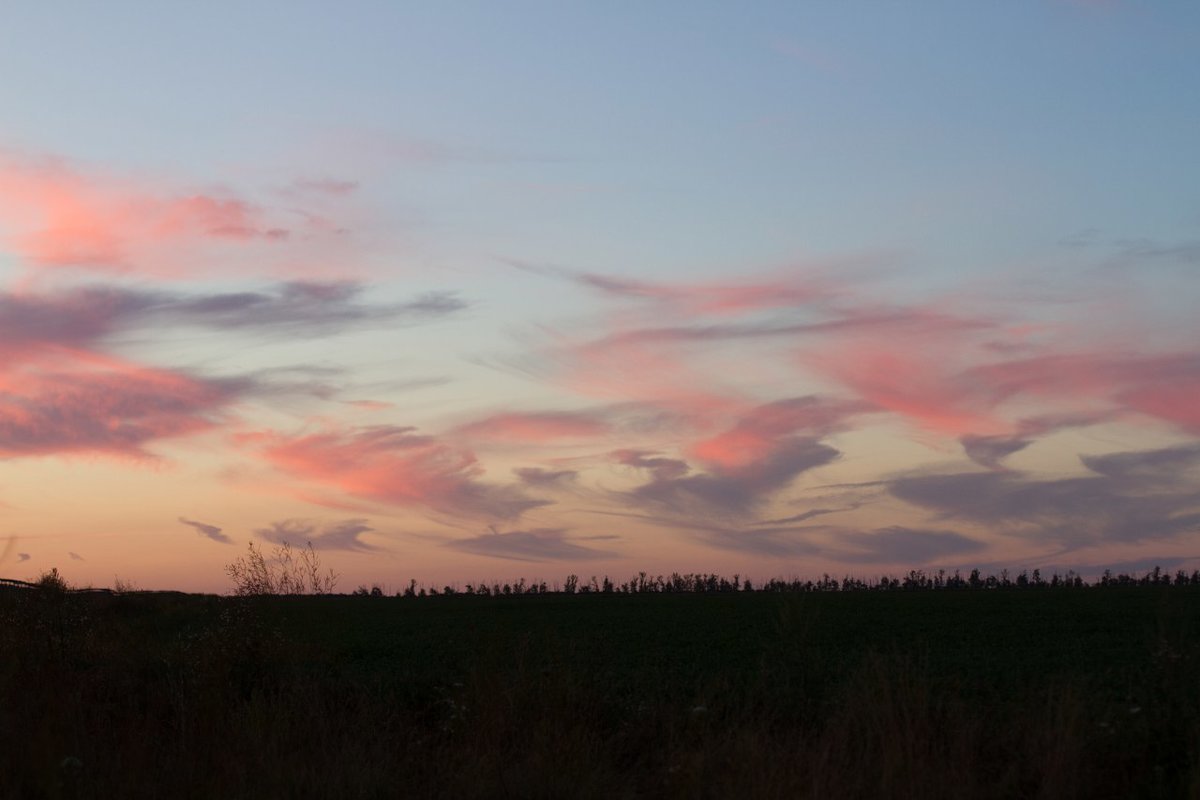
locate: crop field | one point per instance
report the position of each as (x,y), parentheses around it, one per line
(1091,692)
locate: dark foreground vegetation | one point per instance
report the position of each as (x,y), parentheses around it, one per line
(1074,690)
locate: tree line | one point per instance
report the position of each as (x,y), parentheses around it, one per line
(704,583)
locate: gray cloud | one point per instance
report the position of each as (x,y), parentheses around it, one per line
(494,501)
(302,307)
(536,476)
(843,321)
(900,545)
(736,490)
(85,315)
(805,516)
(990,451)
(1151,465)
(893,545)
(536,544)
(332,536)
(1130,497)
(73,317)
(741,468)
(661,468)
(88,410)
(206,530)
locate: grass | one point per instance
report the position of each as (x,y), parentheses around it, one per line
(1047,693)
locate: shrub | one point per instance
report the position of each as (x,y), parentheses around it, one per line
(285,572)
(52,582)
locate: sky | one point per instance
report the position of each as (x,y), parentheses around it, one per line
(465,291)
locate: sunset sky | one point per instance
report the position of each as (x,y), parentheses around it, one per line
(478,290)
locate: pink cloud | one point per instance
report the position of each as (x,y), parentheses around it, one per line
(909,361)
(1175,400)
(924,389)
(649,375)
(393,465)
(699,350)
(742,467)
(56,215)
(64,217)
(757,433)
(967,365)
(77,402)
(940,386)
(1163,386)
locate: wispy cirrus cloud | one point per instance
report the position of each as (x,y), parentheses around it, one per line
(58,215)
(341,535)
(735,490)
(995,372)
(955,386)
(791,288)
(1160,385)
(30,323)
(90,404)
(684,352)
(756,433)
(1128,497)
(735,472)
(60,393)
(392,465)
(991,451)
(539,477)
(306,307)
(940,365)
(804,516)
(206,530)
(84,315)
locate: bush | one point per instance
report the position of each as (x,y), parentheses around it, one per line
(286,572)
(52,582)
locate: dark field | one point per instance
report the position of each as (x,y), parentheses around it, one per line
(1086,693)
